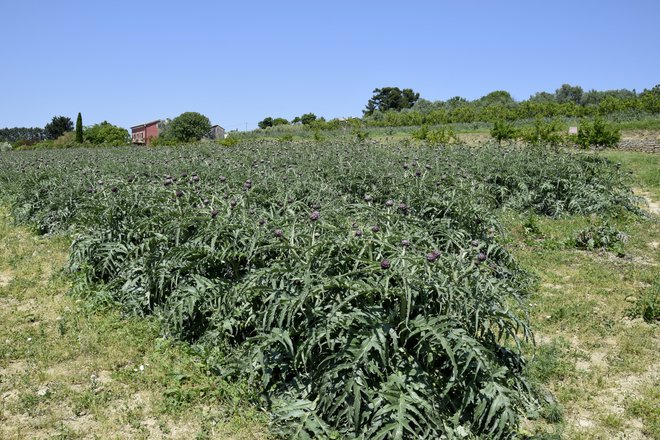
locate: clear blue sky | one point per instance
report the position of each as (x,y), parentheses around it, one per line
(237,62)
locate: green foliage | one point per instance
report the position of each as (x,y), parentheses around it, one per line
(5,146)
(187,127)
(22,135)
(79,129)
(364,291)
(597,133)
(57,127)
(391,98)
(106,134)
(229,141)
(270,122)
(265,123)
(308,118)
(568,93)
(647,305)
(497,98)
(439,136)
(567,102)
(280,121)
(601,237)
(503,131)
(543,133)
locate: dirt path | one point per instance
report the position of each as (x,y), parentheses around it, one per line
(653,205)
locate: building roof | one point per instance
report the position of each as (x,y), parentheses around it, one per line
(146,123)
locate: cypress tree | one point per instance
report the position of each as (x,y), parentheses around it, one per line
(79,129)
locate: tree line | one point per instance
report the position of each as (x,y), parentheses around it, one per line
(395,107)
(60,132)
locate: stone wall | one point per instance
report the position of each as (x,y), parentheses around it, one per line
(646,141)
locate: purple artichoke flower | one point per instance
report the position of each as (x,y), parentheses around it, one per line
(367,198)
(406,166)
(314,216)
(195,178)
(432,256)
(403,207)
(482,257)
(179,193)
(247,184)
(278,233)
(262,221)
(223,178)
(168,182)
(114,189)
(358,233)
(389,203)
(375,228)
(385,264)
(232,202)
(405,243)
(214,213)
(418,173)
(475,243)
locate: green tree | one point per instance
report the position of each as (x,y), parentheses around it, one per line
(650,99)
(308,118)
(391,98)
(188,126)
(79,129)
(280,121)
(107,134)
(265,123)
(568,93)
(597,133)
(502,131)
(542,98)
(498,97)
(58,126)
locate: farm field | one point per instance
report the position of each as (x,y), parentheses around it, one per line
(348,288)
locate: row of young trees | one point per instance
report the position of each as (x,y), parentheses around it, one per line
(395,107)
(567,101)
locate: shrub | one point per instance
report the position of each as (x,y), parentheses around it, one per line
(604,237)
(5,146)
(106,134)
(503,131)
(597,133)
(647,305)
(229,141)
(440,136)
(67,140)
(542,132)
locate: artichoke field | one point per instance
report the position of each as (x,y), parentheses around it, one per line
(362,288)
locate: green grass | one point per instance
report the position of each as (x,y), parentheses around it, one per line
(595,353)
(644,166)
(68,370)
